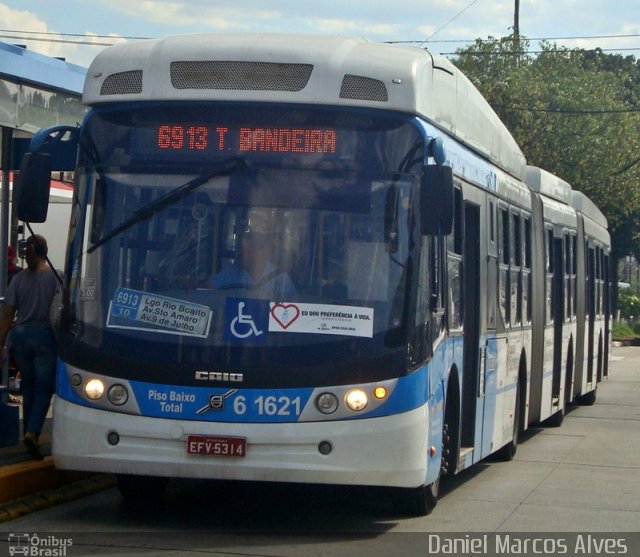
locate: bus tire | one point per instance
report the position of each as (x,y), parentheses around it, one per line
(587,400)
(141,488)
(507,452)
(555,420)
(420,501)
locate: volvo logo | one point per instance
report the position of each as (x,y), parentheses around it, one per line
(219,376)
(216,402)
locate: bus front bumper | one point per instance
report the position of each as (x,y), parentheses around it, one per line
(384,451)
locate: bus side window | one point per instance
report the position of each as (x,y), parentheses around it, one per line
(437,294)
(607,285)
(527,285)
(421,346)
(504,257)
(492,278)
(516,270)
(574,272)
(549,293)
(568,279)
(454,265)
(430,314)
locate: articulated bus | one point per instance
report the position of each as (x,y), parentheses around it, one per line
(313,260)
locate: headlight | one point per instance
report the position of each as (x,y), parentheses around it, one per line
(327,403)
(94,389)
(118,394)
(356,400)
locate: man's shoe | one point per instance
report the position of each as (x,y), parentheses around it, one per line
(33,448)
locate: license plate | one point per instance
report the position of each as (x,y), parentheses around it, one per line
(216,446)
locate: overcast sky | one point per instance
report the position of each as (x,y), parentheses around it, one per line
(442,24)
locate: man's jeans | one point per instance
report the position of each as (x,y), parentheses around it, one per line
(35,352)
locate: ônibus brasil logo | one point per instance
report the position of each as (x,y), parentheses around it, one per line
(38,546)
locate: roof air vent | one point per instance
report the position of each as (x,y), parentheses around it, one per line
(241,76)
(122,83)
(363,89)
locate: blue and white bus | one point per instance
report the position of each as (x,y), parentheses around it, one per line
(414,298)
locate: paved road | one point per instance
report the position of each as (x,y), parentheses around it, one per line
(583,478)
(584,475)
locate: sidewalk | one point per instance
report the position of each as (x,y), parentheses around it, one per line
(27,484)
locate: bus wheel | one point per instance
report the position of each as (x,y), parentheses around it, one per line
(555,420)
(507,452)
(587,400)
(141,488)
(420,501)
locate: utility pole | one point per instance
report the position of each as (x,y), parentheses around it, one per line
(516,19)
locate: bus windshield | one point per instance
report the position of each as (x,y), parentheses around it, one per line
(231,237)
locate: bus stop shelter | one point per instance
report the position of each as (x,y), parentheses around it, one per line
(36,91)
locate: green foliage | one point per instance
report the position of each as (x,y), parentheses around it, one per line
(574,113)
(629,305)
(622,330)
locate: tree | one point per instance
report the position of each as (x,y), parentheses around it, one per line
(629,305)
(574,113)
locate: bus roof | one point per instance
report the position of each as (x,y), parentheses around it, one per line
(588,208)
(549,185)
(305,69)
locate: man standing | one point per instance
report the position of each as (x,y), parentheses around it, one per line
(29,298)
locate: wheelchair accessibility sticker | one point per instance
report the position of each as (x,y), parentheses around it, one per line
(252,320)
(246,320)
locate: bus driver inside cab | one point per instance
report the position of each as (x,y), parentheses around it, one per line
(254,268)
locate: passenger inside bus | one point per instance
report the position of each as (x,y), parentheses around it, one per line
(254,270)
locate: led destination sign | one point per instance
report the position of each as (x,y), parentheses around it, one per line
(199,138)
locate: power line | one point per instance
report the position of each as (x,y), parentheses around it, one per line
(508,38)
(521,52)
(66,41)
(572,111)
(50,33)
(450,21)
(514,39)
(26,37)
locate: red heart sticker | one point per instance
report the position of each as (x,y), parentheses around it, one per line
(285,314)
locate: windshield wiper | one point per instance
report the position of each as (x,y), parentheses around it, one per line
(228,167)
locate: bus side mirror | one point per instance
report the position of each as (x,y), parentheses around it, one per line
(31,192)
(436,200)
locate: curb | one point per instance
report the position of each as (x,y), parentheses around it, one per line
(35,485)
(31,476)
(630,342)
